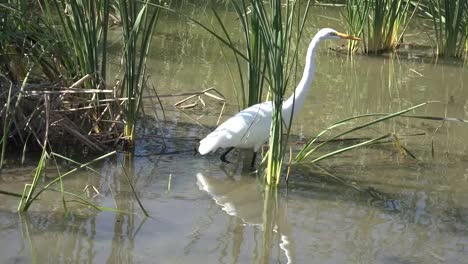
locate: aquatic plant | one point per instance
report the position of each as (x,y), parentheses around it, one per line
(309,152)
(277,26)
(251,93)
(450,20)
(67,98)
(272,37)
(357,13)
(309,148)
(68,41)
(25,52)
(138,24)
(272,31)
(381,23)
(84,31)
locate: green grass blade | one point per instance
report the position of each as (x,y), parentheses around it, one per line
(339,151)
(134,191)
(40,167)
(365,125)
(85,165)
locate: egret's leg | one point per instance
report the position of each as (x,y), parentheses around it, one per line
(254,157)
(223,157)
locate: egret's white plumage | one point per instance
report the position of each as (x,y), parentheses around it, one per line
(250,128)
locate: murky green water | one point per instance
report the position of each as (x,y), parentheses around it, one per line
(207,212)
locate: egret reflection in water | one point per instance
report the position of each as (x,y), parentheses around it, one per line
(244,199)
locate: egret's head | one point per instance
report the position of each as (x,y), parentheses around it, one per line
(328,33)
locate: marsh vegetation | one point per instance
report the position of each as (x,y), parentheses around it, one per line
(82,89)
(83,83)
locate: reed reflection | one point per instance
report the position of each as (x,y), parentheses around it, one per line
(253,209)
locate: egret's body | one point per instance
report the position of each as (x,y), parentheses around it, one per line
(247,129)
(250,128)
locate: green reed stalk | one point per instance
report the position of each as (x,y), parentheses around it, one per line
(256,63)
(310,149)
(276,26)
(357,14)
(84,29)
(381,23)
(450,20)
(271,27)
(28,199)
(254,48)
(138,24)
(33,195)
(390,17)
(9,113)
(252,93)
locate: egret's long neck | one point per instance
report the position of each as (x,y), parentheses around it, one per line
(299,94)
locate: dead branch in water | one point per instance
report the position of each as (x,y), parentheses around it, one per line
(195,98)
(74,114)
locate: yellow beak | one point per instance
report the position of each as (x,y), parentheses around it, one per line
(346,36)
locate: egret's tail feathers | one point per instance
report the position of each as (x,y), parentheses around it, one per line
(207,145)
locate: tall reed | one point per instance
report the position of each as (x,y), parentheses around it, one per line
(249,88)
(138,23)
(84,27)
(272,33)
(27,39)
(19,53)
(254,47)
(357,15)
(58,42)
(450,20)
(381,23)
(54,56)
(280,27)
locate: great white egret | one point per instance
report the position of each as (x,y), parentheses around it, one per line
(250,128)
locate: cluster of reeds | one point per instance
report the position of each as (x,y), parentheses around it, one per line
(252,92)
(357,14)
(278,25)
(55,89)
(381,23)
(57,60)
(272,32)
(450,20)
(138,24)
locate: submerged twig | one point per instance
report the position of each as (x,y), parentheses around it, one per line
(220,97)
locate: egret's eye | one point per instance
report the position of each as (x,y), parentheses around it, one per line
(333,34)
